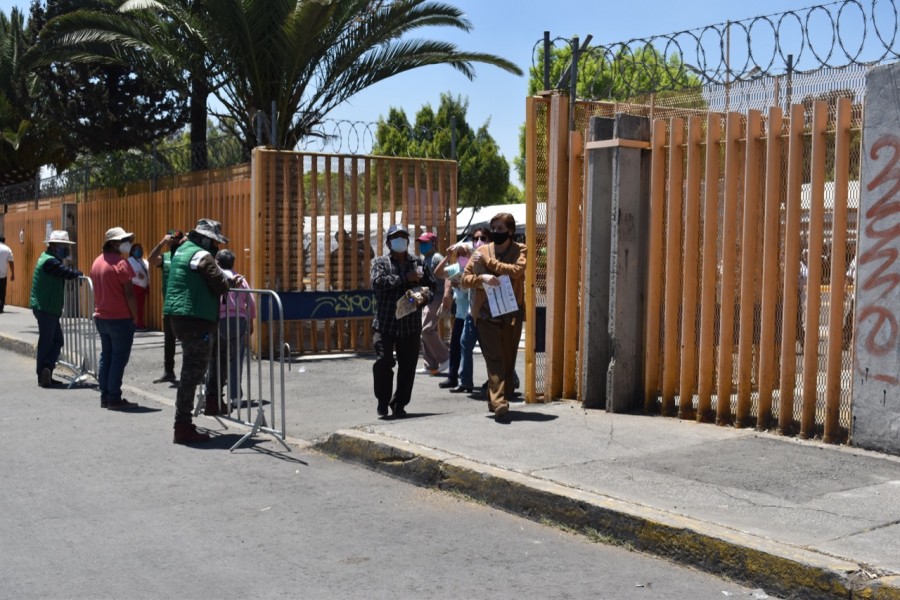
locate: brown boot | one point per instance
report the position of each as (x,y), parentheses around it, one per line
(186,433)
(213,406)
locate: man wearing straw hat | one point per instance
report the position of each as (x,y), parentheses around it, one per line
(196,284)
(47,294)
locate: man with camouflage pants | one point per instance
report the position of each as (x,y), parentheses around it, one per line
(195,286)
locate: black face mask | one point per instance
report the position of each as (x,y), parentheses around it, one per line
(499,237)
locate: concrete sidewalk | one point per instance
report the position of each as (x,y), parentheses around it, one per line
(798,519)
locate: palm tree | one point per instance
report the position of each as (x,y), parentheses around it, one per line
(306,56)
(24,145)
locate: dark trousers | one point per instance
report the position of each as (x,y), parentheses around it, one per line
(50,340)
(196,336)
(407,351)
(2,293)
(168,345)
(456,349)
(227,359)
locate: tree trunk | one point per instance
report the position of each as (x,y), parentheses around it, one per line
(199,150)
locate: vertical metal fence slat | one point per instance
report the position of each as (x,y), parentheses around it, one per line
(673,241)
(813,288)
(787,385)
(655,263)
(709,268)
(838,271)
(688,376)
(730,219)
(768,353)
(748,299)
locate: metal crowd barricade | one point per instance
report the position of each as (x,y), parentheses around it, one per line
(238,368)
(79,351)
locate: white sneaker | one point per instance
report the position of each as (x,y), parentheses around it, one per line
(423,370)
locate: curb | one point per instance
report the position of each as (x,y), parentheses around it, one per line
(18,346)
(787,571)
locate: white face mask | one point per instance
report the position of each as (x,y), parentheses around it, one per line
(399,244)
(124,247)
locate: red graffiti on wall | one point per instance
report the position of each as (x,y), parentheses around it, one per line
(883,329)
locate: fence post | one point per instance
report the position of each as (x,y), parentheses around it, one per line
(546,60)
(876,339)
(597,239)
(629,247)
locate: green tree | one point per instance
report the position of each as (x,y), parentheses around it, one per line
(623,76)
(483,172)
(306,56)
(25,142)
(102,107)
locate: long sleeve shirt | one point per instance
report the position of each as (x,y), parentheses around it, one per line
(390,284)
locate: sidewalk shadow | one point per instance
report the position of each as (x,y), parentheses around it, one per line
(524,416)
(409,415)
(138,410)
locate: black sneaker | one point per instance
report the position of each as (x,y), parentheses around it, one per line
(122,404)
(168,377)
(448,383)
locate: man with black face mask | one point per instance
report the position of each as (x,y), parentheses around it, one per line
(47,295)
(195,286)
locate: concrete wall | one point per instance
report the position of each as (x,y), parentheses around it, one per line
(876,382)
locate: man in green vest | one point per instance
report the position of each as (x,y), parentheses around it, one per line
(194,290)
(47,295)
(163,261)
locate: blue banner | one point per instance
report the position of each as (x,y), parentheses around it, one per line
(318,306)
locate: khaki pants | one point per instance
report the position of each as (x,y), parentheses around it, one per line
(499,340)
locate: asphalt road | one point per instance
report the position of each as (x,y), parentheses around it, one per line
(96,504)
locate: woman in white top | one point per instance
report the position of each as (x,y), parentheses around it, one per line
(141,282)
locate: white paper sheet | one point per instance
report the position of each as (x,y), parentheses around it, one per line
(501,298)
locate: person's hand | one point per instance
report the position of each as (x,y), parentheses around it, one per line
(491,280)
(477,258)
(236,281)
(447,302)
(413,277)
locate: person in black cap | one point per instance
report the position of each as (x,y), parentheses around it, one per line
(163,261)
(196,284)
(396,275)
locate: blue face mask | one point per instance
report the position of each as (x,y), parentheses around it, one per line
(138,253)
(425,247)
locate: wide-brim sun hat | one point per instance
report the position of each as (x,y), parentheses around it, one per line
(211,229)
(117,234)
(59,237)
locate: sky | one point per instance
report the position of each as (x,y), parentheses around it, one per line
(510,28)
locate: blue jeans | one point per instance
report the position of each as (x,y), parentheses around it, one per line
(455,350)
(50,340)
(116,337)
(467,345)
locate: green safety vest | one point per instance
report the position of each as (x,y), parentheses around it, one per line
(187,294)
(47,291)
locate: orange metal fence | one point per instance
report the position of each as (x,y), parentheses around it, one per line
(320,219)
(749,277)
